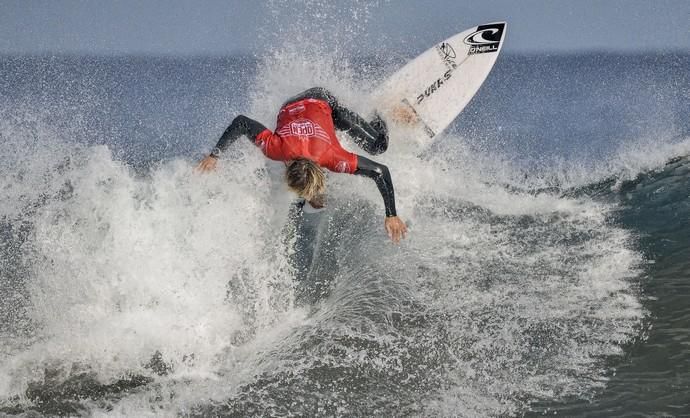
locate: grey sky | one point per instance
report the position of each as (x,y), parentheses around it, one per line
(215,27)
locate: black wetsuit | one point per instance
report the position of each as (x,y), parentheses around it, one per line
(372,137)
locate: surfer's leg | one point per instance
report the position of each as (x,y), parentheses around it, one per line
(301,254)
(310,287)
(318,93)
(372,136)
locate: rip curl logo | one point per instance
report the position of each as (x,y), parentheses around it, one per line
(486,38)
(302,128)
(342,167)
(447,51)
(447,54)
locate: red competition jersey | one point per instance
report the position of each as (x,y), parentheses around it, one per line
(305,129)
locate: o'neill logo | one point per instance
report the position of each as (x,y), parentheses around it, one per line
(485,39)
(342,167)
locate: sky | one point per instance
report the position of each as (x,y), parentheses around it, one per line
(215,27)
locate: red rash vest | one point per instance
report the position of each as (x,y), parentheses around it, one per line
(305,129)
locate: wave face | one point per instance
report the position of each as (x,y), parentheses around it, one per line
(545,271)
(656,206)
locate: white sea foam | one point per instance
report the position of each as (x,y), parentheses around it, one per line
(531,291)
(123,266)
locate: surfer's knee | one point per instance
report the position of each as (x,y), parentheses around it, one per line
(381,144)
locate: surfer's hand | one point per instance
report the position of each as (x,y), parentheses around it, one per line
(396,228)
(207,164)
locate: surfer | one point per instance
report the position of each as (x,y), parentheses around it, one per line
(305,140)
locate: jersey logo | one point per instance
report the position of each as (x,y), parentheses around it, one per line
(302,128)
(296,109)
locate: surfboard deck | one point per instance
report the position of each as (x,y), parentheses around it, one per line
(430,91)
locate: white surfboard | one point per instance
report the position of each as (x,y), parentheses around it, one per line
(431,90)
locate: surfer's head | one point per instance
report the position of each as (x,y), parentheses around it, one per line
(307,179)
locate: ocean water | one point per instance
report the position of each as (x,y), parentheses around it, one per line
(546,271)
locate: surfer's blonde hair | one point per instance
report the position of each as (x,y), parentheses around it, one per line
(306,178)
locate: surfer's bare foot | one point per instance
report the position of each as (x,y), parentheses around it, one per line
(403,114)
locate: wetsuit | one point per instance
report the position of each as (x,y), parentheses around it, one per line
(306,128)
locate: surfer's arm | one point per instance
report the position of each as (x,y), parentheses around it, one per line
(382,177)
(379,173)
(241,125)
(372,136)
